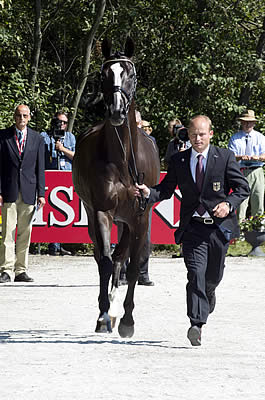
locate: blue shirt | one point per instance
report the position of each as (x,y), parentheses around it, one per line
(237,144)
(64,162)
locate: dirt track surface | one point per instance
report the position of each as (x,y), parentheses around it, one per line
(49,350)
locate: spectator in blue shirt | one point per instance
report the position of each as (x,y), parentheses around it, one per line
(63,150)
(59,156)
(248,146)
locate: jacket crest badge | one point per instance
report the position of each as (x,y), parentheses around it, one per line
(216,186)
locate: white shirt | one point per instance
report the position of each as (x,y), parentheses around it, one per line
(237,144)
(193,163)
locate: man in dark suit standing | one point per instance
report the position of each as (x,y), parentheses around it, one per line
(205,175)
(21,180)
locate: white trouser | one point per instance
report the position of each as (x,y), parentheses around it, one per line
(15,257)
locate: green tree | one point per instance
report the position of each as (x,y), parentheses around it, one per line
(201,56)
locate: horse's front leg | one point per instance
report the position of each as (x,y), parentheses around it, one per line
(126,325)
(105,269)
(119,256)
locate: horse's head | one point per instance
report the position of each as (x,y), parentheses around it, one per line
(118,81)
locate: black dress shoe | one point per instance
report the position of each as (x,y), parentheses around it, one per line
(194,335)
(23,277)
(4,277)
(64,252)
(145,282)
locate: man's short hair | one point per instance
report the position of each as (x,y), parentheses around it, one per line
(60,112)
(207,119)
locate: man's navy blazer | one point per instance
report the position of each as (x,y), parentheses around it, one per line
(222,174)
(21,173)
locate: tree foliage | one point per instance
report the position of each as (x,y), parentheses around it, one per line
(198,56)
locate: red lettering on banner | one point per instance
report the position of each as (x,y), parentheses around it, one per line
(64,220)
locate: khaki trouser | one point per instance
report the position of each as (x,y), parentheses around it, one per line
(255,178)
(15,257)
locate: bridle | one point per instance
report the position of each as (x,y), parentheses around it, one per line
(136,177)
(128,97)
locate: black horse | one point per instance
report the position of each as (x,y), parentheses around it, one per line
(109,159)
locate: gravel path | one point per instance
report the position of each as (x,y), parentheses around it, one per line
(49,350)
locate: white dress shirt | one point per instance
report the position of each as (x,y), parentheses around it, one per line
(193,164)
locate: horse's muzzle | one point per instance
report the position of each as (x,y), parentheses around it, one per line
(117,117)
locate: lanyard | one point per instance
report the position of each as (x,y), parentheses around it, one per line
(21,146)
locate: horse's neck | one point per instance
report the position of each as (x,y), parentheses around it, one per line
(122,146)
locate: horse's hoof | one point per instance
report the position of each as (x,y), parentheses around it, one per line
(125,331)
(103,324)
(113,322)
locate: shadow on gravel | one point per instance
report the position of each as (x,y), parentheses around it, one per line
(55,337)
(19,285)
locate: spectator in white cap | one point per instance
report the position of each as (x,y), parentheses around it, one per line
(249,148)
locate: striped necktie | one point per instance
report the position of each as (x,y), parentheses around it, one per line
(20,137)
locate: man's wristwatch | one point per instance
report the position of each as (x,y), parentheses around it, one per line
(229,206)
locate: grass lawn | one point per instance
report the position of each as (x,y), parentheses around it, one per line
(236,249)
(241,248)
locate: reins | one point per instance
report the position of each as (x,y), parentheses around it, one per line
(136,177)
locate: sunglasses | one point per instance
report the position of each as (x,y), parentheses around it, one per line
(64,122)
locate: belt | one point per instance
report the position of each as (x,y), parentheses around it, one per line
(206,220)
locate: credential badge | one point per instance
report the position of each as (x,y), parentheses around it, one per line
(216,186)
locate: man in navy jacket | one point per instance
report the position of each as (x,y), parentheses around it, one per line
(22,183)
(207,215)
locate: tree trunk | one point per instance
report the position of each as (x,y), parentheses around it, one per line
(37,45)
(86,62)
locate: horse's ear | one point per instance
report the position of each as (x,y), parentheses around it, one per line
(106,48)
(129,47)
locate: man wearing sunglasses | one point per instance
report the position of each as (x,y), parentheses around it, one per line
(59,154)
(63,149)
